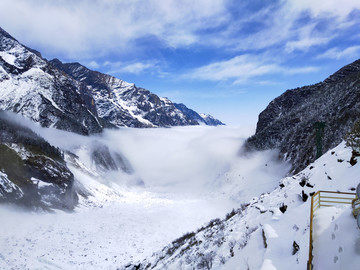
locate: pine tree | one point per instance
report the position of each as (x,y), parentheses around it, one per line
(352,139)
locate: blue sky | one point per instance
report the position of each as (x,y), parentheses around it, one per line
(226,58)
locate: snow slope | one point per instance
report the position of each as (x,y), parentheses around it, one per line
(182,178)
(261,236)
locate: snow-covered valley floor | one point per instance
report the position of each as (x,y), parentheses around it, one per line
(114,234)
(181,179)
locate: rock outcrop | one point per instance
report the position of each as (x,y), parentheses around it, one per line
(32,172)
(305,122)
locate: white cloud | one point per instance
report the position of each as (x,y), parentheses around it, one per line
(84,30)
(306,43)
(336,53)
(133,67)
(137,68)
(93,64)
(209,94)
(340,9)
(237,67)
(81,27)
(241,69)
(295,25)
(326,20)
(307,37)
(301,70)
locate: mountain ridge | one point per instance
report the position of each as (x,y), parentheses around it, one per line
(74,98)
(305,122)
(200,118)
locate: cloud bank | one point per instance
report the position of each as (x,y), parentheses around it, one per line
(198,161)
(244,67)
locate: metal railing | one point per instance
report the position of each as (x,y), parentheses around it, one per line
(356,207)
(325,199)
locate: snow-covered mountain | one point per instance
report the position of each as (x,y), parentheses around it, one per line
(201,118)
(305,122)
(124,104)
(74,98)
(31,87)
(271,231)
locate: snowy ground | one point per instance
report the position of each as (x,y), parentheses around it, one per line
(96,237)
(189,176)
(336,239)
(261,236)
(183,178)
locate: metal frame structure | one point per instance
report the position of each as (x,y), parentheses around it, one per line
(356,207)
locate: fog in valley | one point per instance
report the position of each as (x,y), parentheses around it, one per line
(161,183)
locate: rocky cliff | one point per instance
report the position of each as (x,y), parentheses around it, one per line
(305,122)
(32,172)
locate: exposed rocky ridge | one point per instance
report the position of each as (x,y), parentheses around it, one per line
(210,120)
(74,98)
(31,87)
(32,172)
(106,160)
(305,122)
(125,104)
(200,118)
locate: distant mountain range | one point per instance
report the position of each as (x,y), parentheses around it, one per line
(305,122)
(74,98)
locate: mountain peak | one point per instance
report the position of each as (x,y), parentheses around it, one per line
(345,71)
(6,34)
(201,118)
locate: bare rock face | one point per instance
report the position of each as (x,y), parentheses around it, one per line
(305,122)
(32,172)
(106,160)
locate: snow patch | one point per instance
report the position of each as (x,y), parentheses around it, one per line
(8,187)
(9,58)
(267,265)
(269,231)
